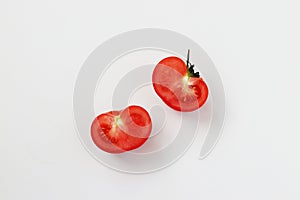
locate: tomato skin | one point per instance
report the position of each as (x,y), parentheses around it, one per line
(176,87)
(120,131)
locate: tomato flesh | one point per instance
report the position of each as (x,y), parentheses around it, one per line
(120,131)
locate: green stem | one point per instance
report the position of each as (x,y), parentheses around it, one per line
(190,67)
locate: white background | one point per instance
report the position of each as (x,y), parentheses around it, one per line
(255,46)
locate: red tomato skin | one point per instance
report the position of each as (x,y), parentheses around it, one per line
(133,130)
(167,78)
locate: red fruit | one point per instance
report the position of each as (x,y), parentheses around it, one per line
(176,83)
(120,131)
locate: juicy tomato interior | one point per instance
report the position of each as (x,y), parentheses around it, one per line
(119,131)
(174,86)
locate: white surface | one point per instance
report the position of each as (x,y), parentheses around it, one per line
(255,46)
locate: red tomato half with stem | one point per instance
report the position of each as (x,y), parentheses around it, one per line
(176,83)
(120,131)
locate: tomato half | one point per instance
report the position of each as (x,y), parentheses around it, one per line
(176,83)
(120,131)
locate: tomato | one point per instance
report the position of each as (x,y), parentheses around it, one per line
(120,131)
(176,83)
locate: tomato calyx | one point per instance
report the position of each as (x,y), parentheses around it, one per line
(190,68)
